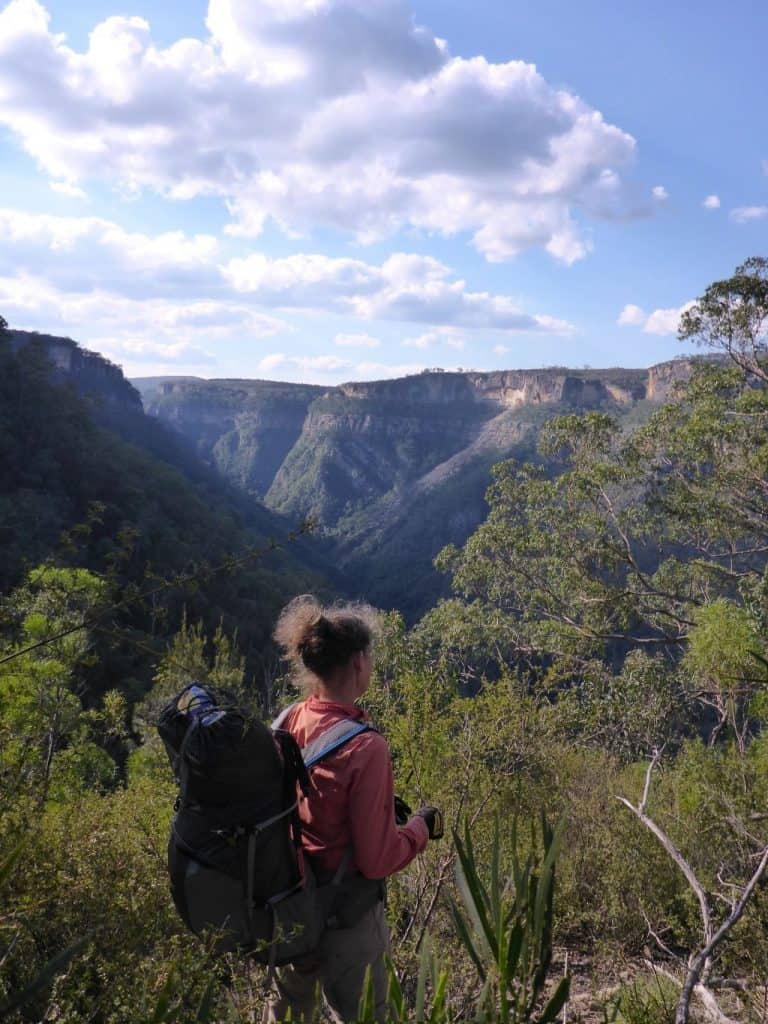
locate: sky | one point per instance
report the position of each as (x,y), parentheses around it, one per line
(331,190)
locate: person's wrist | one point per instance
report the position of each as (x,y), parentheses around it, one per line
(433,819)
(420,824)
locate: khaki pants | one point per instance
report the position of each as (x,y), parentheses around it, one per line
(339,970)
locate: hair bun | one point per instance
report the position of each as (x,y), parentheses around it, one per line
(324,639)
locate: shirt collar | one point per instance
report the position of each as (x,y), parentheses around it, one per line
(320,706)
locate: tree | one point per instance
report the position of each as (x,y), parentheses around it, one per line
(653,541)
(43,723)
(3,325)
(732,315)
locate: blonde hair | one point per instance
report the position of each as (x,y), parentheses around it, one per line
(321,639)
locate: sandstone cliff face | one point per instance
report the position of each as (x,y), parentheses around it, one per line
(333,452)
(244,428)
(90,373)
(511,388)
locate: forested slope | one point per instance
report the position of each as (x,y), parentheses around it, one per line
(88,480)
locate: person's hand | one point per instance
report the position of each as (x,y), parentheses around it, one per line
(402,811)
(434,821)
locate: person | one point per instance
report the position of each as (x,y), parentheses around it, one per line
(348,818)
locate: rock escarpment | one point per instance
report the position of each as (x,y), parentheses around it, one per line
(91,374)
(245,428)
(331,452)
(392,470)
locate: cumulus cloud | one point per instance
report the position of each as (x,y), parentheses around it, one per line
(659,193)
(77,252)
(66,188)
(136,332)
(405,287)
(144,351)
(744,214)
(326,369)
(660,321)
(711,202)
(385,371)
(501,350)
(422,341)
(356,341)
(632,316)
(83,261)
(271,113)
(439,335)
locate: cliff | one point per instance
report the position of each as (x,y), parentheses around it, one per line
(394,469)
(92,375)
(246,429)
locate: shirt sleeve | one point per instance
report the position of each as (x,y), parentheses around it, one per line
(380,847)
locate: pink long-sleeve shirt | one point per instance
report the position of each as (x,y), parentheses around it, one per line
(351,797)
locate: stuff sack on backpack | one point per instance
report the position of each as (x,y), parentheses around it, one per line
(234,850)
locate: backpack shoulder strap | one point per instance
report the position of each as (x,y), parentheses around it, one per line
(278,722)
(333,739)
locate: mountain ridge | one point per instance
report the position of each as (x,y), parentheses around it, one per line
(391,470)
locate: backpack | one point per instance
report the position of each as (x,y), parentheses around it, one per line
(235,859)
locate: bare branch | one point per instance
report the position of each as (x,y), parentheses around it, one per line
(708,1001)
(701,959)
(672,850)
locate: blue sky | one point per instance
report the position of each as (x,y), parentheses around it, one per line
(330,190)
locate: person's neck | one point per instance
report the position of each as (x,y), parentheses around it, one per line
(340,693)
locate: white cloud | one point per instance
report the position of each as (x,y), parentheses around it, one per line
(323,369)
(744,214)
(383,371)
(405,287)
(31,302)
(449,336)
(422,341)
(632,316)
(153,335)
(711,202)
(323,364)
(66,188)
(272,362)
(79,253)
(269,112)
(501,350)
(356,341)
(89,266)
(660,193)
(328,369)
(660,321)
(144,351)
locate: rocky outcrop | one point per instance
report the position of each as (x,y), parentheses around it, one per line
(91,374)
(245,429)
(333,452)
(512,388)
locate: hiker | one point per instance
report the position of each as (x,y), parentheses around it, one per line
(348,815)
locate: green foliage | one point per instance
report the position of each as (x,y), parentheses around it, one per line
(48,730)
(731,315)
(508,929)
(650,1000)
(89,481)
